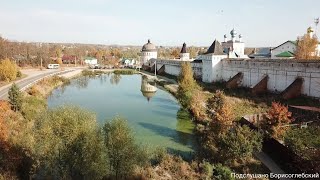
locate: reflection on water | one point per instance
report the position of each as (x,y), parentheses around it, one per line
(158,122)
(147,89)
(115,79)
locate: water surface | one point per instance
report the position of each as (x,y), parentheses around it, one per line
(156,121)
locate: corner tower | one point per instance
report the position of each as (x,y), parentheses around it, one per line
(148,51)
(183,53)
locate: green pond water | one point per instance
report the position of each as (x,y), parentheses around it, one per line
(156,122)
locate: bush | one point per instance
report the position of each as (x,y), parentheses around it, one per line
(32,106)
(69,145)
(304,141)
(15,97)
(19,74)
(277,117)
(239,144)
(221,172)
(8,70)
(125,72)
(124,155)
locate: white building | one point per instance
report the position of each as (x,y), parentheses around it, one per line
(288,48)
(234,48)
(148,51)
(211,62)
(90,61)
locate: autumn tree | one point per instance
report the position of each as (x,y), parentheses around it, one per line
(306,46)
(175,53)
(198,105)
(219,110)
(8,70)
(277,119)
(187,84)
(15,97)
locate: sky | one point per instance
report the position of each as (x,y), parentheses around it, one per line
(263,23)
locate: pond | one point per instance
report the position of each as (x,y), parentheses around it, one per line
(156,119)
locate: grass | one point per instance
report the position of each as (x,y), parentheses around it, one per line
(125,71)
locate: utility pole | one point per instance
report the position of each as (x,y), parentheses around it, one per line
(155,68)
(41,63)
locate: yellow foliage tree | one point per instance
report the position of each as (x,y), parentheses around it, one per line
(59,61)
(8,70)
(306,46)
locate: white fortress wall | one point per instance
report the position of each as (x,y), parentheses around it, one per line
(281,73)
(173,67)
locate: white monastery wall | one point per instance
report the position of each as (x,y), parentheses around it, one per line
(281,73)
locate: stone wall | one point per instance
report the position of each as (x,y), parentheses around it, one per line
(281,73)
(173,67)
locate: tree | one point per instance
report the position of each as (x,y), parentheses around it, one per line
(69,144)
(219,111)
(175,53)
(197,105)
(239,144)
(8,70)
(306,46)
(122,151)
(15,97)
(187,84)
(277,119)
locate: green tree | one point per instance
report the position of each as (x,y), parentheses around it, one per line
(239,144)
(122,151)
(15,97)
(187,84)
(69,144)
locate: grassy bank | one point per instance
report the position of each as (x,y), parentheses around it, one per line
(125,71)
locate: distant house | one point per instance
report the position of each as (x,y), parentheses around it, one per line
(285,49)
(288,48)
(90,61)
(257,53)
(128,62)
(68,59)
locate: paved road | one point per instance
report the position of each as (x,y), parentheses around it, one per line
(24,82)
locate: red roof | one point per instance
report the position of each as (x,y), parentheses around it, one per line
(68,58)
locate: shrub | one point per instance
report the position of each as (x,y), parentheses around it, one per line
(19,74)
(32,106)
(122,151)
(239,143)
(277,117)
(221,172)
(15,97)
(304,141)
(8,70)
(69,145)
(125,72)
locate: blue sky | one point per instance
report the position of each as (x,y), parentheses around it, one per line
(165,22)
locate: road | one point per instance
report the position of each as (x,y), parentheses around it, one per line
(26,81)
